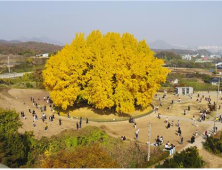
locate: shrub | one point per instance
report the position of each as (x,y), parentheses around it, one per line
(214,144)
(188,158)
(14,147)
(28,85)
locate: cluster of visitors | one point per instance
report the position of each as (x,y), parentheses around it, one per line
(23,115)
(79,124)
(169,146)
(159,141)
(123,137)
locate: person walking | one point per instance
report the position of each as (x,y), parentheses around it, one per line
(77,125)
(156,109)
(80,124)
(192,140)
(161,140)
(172,122)
(181,140)
(137,134)
(168,125)
(46,126)
(220,118)
(179,132)
(134,125)
(158,140)
(34,118)
(21,114)
(60,122)
(87,121)
(178,123)
(205,133)
(43,119)
(196,133)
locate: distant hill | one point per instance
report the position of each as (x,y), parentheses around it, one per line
(40,39)
(26,48)
(11,41)
(160,44)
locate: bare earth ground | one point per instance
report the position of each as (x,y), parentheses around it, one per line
(212,161)
(116,129)
(96,114)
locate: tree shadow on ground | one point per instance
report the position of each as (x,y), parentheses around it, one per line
(105,111)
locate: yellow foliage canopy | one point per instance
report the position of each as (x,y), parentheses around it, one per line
(106,70)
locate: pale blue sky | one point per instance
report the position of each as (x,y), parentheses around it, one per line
(179,23)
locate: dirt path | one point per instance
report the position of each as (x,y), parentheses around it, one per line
(211,160)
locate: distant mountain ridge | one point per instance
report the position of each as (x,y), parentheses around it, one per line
(160,44)
(11,41)
(40,39)
(27,48)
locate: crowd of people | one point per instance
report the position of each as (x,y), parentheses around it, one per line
(159,141)
(169,124)
(42,109)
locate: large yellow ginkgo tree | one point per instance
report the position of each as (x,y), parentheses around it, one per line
(107,71)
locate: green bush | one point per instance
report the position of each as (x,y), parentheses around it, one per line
(188,158)
(29,85)
(96,135)
(214,144)
(14,147)
(71,142)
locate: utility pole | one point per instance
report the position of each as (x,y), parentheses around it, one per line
(149,135)
(8,65)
